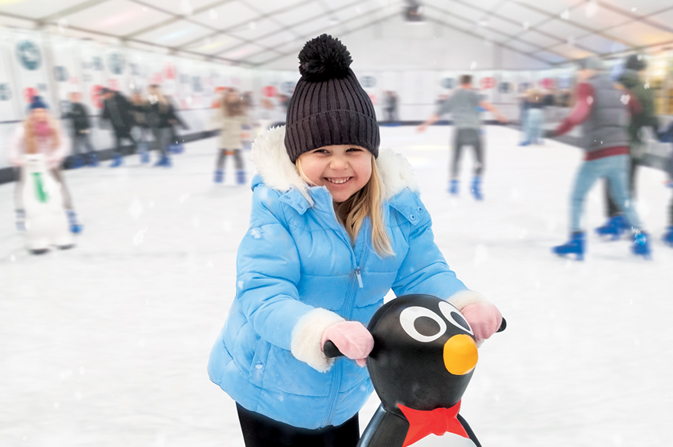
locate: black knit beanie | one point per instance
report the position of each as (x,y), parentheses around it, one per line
(329,106)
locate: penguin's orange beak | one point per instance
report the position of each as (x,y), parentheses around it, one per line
(460,354)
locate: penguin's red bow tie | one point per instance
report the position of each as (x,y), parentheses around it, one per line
(438,422)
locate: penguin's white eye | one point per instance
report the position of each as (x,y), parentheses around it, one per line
(452,314)
(422,324)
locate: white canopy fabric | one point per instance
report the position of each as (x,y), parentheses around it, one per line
(257,32)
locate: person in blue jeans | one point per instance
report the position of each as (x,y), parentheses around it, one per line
(335,224)
(601,111)
(534,117)
(668,236)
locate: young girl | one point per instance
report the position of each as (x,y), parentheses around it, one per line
(335,225)
(40,134)
(231,117)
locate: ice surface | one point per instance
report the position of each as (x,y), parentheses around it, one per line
(107,344)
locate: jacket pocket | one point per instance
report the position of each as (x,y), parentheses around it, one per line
(258,364)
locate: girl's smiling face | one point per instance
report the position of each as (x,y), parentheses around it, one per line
(343,169)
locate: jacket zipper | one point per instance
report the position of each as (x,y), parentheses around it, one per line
(338,373)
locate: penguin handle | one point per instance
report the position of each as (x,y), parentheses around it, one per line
(330,350)
(503,325)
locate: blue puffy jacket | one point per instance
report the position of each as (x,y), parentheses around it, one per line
(297,273)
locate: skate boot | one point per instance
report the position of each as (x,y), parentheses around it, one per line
(641,244)
(574,246)
(668,236)
(476,188)
(20,220)
(453,187)
(613,228)
(93,159)
(144,153)
(77,161)
(164,161)
(219,176)
(240,176)
(75,227)
(117,161)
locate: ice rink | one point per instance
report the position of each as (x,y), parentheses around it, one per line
(107,344)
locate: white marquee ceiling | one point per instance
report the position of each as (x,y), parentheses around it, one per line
(257,32)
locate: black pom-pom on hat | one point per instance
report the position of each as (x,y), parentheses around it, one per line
(324,58)
(329,106)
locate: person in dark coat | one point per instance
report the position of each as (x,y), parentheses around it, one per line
(81,128)
(633,84)
(118,111)
(161,118)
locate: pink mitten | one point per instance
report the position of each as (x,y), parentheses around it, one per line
(352,338)
(484,318)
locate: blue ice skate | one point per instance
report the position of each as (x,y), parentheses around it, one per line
(77,161)
(143,148)
(613,228)
(453,187)
(575,246)
(117,161)
(668,236)
(75,227)
(93,159)
(240,177)
(641,244)
(476,188)
(219,176)
(164,161)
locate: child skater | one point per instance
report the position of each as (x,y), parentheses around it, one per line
(231,117)
(40,134)
(335,225)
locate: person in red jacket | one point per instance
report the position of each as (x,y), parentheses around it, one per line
(602,110)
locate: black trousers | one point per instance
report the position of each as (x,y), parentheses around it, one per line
(124,134)
(80,141)
(261,431)
(611,208)
(467,137)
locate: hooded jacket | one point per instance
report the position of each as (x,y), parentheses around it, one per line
(298,273)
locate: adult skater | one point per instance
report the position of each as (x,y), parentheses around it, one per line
(534,110)
(118,111)
(632,80)
(81,128)
(230,117)
(40,134)
(668,236)
(600,110)
(464,105)
(140,119)
(161,118)
(335,224)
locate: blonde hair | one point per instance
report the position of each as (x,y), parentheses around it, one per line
(30,139)
(368,201)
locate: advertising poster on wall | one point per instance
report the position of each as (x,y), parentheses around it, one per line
(30,65)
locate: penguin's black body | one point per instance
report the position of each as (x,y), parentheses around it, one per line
(423,359)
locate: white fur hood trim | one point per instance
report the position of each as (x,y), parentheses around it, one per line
(279,173)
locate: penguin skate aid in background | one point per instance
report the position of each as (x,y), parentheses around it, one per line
(423,358)
(335,224)
(46,220)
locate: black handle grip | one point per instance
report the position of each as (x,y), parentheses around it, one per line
(331,351)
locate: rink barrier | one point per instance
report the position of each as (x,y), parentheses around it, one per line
(9,174)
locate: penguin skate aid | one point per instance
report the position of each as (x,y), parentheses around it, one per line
(421,342)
